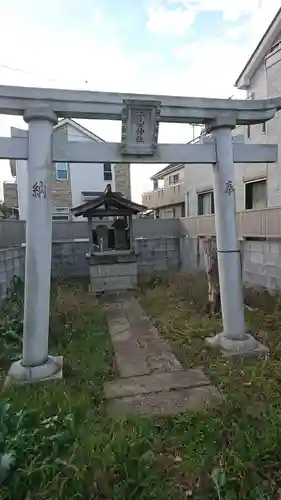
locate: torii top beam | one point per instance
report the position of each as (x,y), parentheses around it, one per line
(108,106)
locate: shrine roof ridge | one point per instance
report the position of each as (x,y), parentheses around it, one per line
(113,202)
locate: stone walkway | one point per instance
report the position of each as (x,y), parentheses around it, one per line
(152,380)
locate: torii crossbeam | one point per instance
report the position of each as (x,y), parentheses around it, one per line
(140,116)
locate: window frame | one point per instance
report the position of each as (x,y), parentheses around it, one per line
(61,170)
(107,172)
(252,183)
(203,193)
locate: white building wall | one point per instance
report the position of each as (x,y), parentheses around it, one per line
(85,176)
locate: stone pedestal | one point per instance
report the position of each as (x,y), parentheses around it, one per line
(51,369)
(113,272)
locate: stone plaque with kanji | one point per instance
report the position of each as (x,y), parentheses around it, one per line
(140,122)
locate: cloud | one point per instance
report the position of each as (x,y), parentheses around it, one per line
(258,14)
(42,56)
(89,51)
(212,67)
(170,21)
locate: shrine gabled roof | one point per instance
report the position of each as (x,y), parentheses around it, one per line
(108,201)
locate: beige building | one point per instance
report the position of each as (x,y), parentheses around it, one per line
(73,183)
(167,198)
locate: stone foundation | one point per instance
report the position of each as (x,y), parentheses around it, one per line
(113,273)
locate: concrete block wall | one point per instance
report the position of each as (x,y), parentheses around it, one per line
(11,264)
(68,259)
(261,260)
(153,254)
(189,254)
(157,254)
(262,264)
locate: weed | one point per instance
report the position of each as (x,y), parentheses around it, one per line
(58,442)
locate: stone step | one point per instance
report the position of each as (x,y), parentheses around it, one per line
(155,382)
(165,402)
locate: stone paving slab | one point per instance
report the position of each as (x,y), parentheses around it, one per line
(156,382)
(165,402)
(152,380)
(135,337)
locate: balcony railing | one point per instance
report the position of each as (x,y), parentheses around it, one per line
(165,196)
(250,223)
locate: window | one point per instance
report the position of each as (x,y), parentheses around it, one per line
(186,205)
(255,195)
(61,172)
(155,184)
(174,213)
(263,129)
(173,179)
(249,131)
(206,203)
(107,172)
(182,210)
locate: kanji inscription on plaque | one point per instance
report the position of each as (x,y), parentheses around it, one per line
(140,123)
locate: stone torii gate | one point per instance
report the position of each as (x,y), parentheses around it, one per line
(140,115)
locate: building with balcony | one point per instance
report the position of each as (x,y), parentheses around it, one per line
(167,198)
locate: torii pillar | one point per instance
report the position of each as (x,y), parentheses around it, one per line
(36,364)
(233,340)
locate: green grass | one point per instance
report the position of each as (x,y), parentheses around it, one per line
(62,444)
(245,432)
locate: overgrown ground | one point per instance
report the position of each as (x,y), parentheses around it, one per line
(57,442)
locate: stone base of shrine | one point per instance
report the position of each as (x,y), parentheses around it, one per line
(19,374)
(113,272)
(248,346)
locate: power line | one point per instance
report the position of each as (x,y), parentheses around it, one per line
(19,70)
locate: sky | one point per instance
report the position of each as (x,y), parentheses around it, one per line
(172,47)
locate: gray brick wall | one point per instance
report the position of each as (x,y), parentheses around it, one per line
(68,259)
(157,254)
(11,264)
(262,264)
(261,260)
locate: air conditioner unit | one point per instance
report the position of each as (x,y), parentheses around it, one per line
(60,217)
(88,198)
(61,213)
(61,210)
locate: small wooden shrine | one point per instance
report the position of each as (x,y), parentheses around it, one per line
(113,264)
